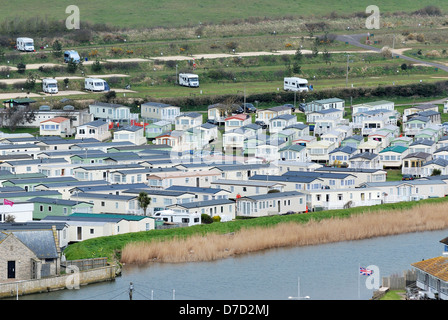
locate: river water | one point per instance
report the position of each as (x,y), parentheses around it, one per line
(322,272)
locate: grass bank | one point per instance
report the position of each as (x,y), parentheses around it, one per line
(267,232)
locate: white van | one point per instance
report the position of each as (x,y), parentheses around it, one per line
(71,55)
(172,216)
(25,44)
(95,84)
(50,85)
(189,80)
(295,84)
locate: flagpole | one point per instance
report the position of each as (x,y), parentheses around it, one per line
(359,280)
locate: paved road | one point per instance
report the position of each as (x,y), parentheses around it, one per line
(355,40)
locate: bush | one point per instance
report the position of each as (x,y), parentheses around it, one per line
(216,219)
(206,219)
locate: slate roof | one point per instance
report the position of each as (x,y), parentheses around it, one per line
(206,203)
(41,242)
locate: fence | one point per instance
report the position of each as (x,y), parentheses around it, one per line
(400,282)
(86,264)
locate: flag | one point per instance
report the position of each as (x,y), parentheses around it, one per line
(365,271)
(7,202)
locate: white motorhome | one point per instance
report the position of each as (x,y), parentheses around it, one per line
(189,80)
(295,84)
(95,84)
(178,217)
(71,55)
(50,85)
(25,44)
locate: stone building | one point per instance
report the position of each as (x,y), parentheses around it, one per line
(28,254)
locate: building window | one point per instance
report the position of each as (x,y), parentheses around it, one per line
(92,231)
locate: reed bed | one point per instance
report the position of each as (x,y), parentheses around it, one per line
(427,217)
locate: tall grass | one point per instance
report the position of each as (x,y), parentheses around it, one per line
(214,246)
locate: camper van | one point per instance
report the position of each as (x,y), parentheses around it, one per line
(95,84)
(50,85)
(295,84)
(172,216)
(189,80)
(25,44)
(71,55)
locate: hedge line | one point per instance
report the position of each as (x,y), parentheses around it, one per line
(381,92)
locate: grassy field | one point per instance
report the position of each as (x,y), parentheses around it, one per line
(167,13)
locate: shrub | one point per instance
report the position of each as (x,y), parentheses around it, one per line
(216,219)
(206,219)
(21,67)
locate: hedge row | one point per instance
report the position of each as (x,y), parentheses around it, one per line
(381,92)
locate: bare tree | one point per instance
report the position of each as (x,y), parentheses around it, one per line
(18,115)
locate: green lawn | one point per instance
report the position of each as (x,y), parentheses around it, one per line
(152,13)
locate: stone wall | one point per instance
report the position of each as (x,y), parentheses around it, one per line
(71,281)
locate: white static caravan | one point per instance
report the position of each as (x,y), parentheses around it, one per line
(95,84)
(295,84)
(50,85)
(189,80)
(178,217)
(25,44)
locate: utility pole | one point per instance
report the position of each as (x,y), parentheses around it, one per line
(346,75)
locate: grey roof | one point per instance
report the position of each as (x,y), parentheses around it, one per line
(274,195)
(31,225)
(190,115)
(196,189)
(249,183)
(32,194)
(111,187)
(233,167)
(157,104)
(355,137)
(299,126)
(61,202)
(346,149)
(110,167)
(20,146)
(425,142)
(74,183)
(36,161)
(41,242)
(421,155)
(158,192)
(400,182)
(130,128)
(208,125)
(291,178)
(364,155)
(109,105)
(351,170)
(438,161)
(104,196)
(284,117)
(96,123)
(41,180)
(325,175)
(207,203)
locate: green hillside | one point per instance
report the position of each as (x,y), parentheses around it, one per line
(152,13)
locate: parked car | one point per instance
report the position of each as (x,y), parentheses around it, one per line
(408,177)
(302,107)
(261,124)
(248,107)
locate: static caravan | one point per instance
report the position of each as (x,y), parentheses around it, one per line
(71,55)
(50,85)
(94,84)
(189,80)
(25,44)
(295,84)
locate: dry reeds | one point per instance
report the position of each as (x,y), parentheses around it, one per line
(217,246)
